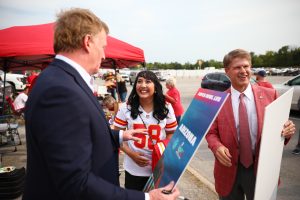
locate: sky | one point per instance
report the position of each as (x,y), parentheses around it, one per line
(177,30)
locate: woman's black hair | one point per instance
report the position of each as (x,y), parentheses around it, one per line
(160,111)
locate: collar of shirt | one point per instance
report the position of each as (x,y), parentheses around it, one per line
(86,77)
(235,95)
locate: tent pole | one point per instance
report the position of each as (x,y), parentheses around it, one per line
(5,67)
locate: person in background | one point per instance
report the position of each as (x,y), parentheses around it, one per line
(110,103)
(145,108)
(110,107)
(261,79)
(110,83)
(235,135)
(121,88)
(71,151)
(173,97)
(31,80)
(20,100)
(33,75)
(296,151)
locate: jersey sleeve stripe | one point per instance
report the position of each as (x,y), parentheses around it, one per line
(120,122)
(161,147)
(171,125)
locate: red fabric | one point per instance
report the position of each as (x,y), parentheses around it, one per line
(178,108)
(246,156)
(36,41)
(156,154)
(265,84)
(223,132)
(31,81)
(31,78)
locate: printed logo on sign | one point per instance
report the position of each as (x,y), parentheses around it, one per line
(208,98)
(188,134)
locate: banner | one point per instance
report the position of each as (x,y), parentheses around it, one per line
(193,127)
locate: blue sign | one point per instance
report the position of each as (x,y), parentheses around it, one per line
(193,127)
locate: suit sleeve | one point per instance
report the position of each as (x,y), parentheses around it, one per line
(65,142)
(116,135)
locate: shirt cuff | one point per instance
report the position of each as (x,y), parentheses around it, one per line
(121,137)
(147,196)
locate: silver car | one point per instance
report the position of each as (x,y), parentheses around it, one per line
(132,76)
(295,83)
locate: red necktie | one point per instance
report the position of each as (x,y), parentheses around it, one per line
(246,156)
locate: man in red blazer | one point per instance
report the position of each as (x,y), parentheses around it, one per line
(234,180)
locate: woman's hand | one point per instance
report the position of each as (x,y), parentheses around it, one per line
(139,158)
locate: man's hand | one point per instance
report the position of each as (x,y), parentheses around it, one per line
(288,129)
(157,194)
(223,156)
(129,134)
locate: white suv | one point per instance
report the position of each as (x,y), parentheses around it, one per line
(17,81)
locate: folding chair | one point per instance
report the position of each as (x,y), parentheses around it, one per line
(3,138)
(3,133)
(9,130)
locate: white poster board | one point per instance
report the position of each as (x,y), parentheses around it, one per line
(271,148)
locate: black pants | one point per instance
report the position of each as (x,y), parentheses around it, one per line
(244,184)
(135,182)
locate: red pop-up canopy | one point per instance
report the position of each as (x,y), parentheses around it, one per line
(27,47)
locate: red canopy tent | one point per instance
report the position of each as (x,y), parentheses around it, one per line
(30,47)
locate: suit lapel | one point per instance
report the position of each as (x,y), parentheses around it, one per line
(79,80)
(260,109)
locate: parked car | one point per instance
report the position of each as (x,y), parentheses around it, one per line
(132,76)
(17,81)
(8,92)
(218,81)
(162,76)
(283,87)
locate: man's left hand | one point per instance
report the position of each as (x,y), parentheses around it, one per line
(288,129)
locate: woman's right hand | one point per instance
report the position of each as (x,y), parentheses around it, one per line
(139,158)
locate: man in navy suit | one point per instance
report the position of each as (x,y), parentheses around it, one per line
(71,151)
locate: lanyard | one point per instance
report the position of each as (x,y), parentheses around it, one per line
(153,142)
